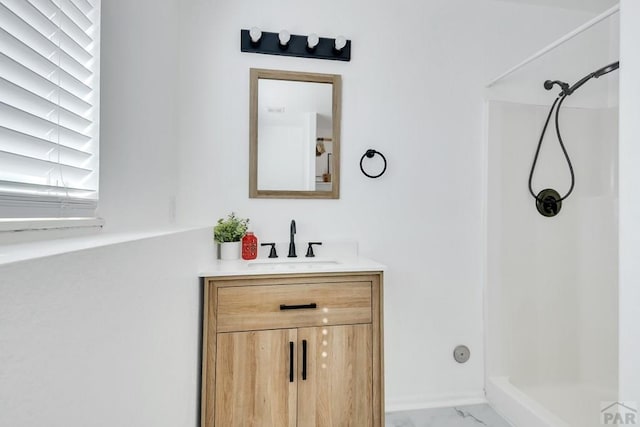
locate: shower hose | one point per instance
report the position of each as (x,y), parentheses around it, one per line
(557,103)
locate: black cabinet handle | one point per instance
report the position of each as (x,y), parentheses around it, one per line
(298,307)
(290,361)
(304,359)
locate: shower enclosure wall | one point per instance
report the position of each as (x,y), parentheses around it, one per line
(551,294)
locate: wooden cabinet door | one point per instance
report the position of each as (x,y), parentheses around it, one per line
(253,383)
(338,388)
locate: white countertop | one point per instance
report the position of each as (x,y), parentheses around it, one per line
(284,265)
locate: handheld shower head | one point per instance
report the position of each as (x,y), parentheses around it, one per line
(568,90)
(606,70)
(601,72)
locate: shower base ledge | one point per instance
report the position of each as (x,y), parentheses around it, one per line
(561,404)
(517,407)
(578,403)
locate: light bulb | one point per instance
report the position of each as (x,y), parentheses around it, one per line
(284,37)
(341,42)
(313,40)
(255,34)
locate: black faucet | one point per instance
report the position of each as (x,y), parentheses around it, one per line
(292,245)
(310,253)
(272,252)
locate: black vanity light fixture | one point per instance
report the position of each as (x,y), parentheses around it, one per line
(286,44)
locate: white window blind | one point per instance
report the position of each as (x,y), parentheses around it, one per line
(49,102)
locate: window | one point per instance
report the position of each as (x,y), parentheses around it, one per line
(49,108)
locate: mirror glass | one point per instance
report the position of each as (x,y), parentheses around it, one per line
(295,135)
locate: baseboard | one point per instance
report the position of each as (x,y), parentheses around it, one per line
(412,403)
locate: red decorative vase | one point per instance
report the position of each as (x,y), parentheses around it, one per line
(249,246)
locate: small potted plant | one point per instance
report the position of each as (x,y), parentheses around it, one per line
(228,233)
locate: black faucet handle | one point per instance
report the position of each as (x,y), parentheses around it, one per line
(310,253)
(272,252)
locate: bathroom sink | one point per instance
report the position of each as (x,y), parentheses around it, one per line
(291,264)
(338,261)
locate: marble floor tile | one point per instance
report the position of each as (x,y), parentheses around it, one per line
(462,416)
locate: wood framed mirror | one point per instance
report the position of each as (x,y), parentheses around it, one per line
(294,140)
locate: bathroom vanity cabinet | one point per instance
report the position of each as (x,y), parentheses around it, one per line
(293,350)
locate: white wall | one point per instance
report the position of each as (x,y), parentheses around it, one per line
(138,116)
(629,201)
(109,336)
(413,91)
(103,337)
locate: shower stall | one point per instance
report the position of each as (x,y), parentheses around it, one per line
(552,281)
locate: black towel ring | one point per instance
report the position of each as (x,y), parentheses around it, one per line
(369,154)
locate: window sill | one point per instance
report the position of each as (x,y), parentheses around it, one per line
(35,224)
(33,250)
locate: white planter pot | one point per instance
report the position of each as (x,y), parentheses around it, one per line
(230,250)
